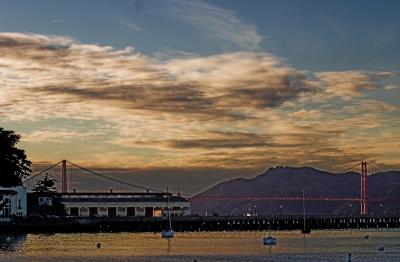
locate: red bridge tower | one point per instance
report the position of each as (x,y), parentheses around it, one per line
(363,189)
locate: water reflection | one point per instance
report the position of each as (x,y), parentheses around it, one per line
(127,245)
(12,242)
(169,240)
(269,248)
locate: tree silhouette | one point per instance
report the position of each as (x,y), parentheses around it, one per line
(13,162)
(45,185)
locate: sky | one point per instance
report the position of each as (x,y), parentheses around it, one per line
(202,91)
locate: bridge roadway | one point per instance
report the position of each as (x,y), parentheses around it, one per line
(209,223)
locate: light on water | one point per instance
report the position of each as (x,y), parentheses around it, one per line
(202,246)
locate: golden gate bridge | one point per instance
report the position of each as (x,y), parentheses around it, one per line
(73,178)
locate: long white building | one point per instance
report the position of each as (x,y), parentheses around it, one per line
(124,204)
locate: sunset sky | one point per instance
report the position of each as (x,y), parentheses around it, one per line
(209,89)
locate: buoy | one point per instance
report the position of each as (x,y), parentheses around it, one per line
(98,245)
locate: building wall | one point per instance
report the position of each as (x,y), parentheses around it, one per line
(20,202)
(122,205)
(121,208)
(17,205)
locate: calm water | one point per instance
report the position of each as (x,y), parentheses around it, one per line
(203,246)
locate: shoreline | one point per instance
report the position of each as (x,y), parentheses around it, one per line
(196,223)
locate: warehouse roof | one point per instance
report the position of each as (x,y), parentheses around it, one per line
(120,197)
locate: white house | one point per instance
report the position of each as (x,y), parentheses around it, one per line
(13,201)
(124,204)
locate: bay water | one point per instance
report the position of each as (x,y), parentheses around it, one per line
(203,246)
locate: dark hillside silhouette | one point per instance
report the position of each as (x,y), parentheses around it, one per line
(289,181)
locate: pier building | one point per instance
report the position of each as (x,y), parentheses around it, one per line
(124,204)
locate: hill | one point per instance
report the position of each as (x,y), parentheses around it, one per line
(290,181)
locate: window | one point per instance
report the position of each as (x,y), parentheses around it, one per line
(74,211)
(112,211)
(92,211)
(149,211)
(130,211)
(157,212)
(6,211)
(6,208)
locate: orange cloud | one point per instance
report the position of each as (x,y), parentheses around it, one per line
(240,109)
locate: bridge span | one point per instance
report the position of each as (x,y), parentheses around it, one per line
(72,178)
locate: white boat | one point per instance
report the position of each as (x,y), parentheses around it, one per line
(269,240)
(168,233)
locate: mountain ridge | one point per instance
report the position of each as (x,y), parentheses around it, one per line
(290,181)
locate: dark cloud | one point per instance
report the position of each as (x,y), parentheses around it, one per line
(264,97)
(184,100)
(236,140)
(222,140)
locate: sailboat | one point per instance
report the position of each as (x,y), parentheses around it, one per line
(269,240)
(305,230)
(168,233)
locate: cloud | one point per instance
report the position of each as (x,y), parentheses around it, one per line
(242,140)
(348,84)
(370,106)
(12,40)
(215,22)
(129,24)
(306,114)
(166,54)
(58,21)
(56,135)
(243,78)
(390,87)
(212,140)
(230,110)
(208,87)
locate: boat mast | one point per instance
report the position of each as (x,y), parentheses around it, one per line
(269,228)
(169,215)
(304,213)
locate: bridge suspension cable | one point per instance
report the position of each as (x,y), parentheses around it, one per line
(41,172)
(77,178)
(114,179)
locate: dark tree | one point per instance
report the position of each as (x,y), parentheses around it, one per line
(45,185)
(13,162)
